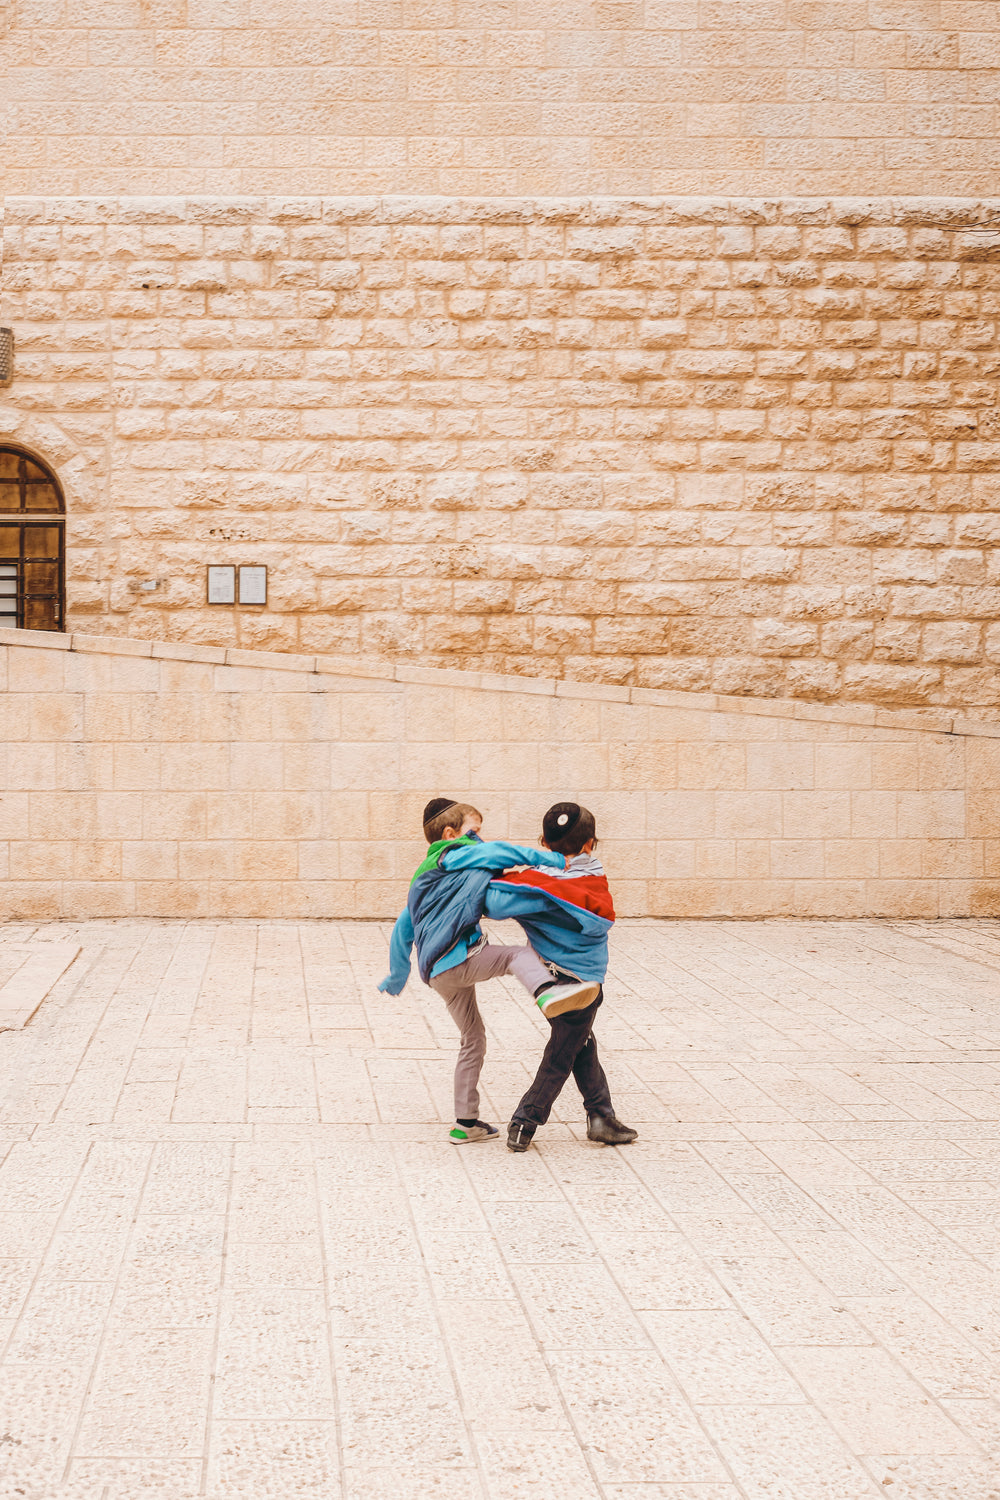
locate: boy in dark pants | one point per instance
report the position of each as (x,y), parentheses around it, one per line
(571,1048)
(575,947)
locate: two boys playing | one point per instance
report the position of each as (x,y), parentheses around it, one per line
(559,895)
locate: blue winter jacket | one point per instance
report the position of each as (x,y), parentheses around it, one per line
(573,939)
(445,907)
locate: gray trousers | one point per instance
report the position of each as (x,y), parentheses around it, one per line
(457,987)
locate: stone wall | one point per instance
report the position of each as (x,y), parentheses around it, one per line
(159,779)
(711,445)
(501,96)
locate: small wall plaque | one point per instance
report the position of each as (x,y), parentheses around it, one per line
(253,584)
(6,344)
(221,585)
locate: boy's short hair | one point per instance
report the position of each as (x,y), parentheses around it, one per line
(567,826)
(441,813)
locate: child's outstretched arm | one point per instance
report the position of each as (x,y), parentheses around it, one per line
(400,945)
(498,854)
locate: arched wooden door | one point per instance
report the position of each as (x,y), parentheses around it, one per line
(32,542)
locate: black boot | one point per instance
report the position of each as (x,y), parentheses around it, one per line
(518,1136)
(609,1131)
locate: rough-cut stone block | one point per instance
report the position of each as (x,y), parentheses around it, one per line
(111,645)
(274,660)
(39,639)
(181,651)
(495,682)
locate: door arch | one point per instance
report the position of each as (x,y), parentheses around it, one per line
(32,542)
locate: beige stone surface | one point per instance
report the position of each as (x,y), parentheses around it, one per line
(500,97)
(239,1256)
(29,972)
(730,444)
(138,783)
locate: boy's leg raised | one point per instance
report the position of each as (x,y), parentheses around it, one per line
(494,959)
(553,995)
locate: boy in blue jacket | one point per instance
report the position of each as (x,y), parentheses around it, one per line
(442,918)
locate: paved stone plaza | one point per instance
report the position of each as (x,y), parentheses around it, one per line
(240,1257)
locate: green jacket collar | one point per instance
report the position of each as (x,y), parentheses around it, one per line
(434,853)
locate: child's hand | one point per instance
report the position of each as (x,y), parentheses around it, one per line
(385,988)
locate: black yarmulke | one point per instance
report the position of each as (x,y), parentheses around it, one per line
(437,805)
(560,820)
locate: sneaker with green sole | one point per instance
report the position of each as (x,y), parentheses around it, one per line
(464,1135)
(559,997)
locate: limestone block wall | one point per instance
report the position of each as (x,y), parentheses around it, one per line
(164,779)
(501,96)
(727,445)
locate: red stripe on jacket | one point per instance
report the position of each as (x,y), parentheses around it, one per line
(589,891)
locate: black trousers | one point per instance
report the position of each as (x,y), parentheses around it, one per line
(572,1049)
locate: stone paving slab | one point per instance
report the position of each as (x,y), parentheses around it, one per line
(28,972)
(240,1258)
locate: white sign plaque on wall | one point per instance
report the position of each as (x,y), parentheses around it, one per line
(221,585)
(253,585)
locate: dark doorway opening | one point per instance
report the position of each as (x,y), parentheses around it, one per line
(32,543)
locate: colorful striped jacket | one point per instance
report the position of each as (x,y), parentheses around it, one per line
(566,915)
